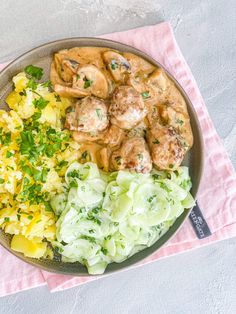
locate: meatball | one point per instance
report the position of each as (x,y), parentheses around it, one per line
(89,115)
(127,108)
(133,155)
(166,146)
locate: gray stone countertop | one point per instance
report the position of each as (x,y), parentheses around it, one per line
(201,281)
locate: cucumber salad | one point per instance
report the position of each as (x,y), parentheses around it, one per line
(108,217)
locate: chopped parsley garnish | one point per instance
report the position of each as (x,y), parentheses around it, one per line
(34,71)
(87,83)
(140,157)
(180,122)
(96,220)
(36,116)
(90,239)
(47,84)
(5,139)
(156,141)
(114,65)
(151,198)
(23,93)
(104,251)
(2,180)
(30,217)
(145,95)
(62,164)
(9,154)
(32,85)
(77,77)
(164,187)
(118,160)
(40,103)
(171,166)
(84,154)
(156,176)
(6,219)
(58,98)
(27,170)
(99,113)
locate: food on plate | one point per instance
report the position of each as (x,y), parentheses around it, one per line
(167,147)
(127,107)
(90,161)
(133,155)
(88,115)
(108,217)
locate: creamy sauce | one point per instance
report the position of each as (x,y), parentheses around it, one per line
(94,71)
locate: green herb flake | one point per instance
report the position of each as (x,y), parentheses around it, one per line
(104,251)
(114,65)
(90,239)
(84,154)
(30,217)
(87,83)
(165,187)
(47,84)
(2,180)
(171,166)
(9,154)
(62,164)
(26,170)
(18,217)
(34,71)
(48,207)
(140,157)
(180,122)
(156,141)
(118,160)
(6,219)
(5,139)
(77,77)
(57,97)
(23,93)
(36,116)
(40,103)
(32,85)
(145,95)
(99,113)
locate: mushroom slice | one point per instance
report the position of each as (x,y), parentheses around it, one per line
(117,65)
(103,158)
(82,137)
(113,136)
(64,67)
(139,64)
(158,80)
(66,91)
(90,80)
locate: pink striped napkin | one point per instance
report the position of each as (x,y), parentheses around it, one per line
(217,195)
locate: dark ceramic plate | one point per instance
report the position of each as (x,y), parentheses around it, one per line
(42,56)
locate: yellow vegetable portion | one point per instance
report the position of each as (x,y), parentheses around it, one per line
(29,248)
(35,152)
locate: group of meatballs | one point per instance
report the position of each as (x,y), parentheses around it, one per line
(142,123)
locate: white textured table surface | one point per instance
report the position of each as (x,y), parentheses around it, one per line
(202,281)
